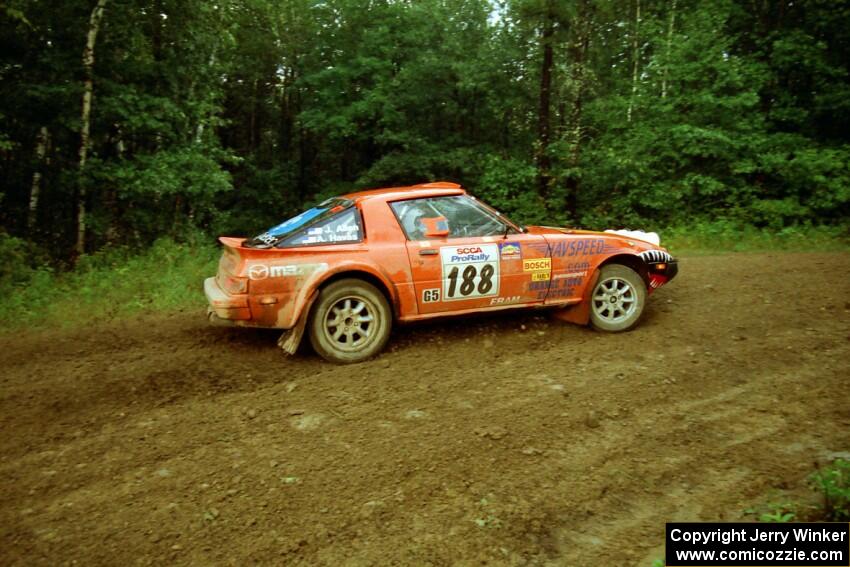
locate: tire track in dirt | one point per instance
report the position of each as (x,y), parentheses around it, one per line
(509,439)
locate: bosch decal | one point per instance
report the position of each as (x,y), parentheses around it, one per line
(537,265)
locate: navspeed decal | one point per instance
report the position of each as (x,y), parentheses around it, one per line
(572,246)
(470,271)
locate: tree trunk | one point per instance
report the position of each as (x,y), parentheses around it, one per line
(579,57)
(42,141)
(544,112)
(635,57)
(670,27)
(88,88)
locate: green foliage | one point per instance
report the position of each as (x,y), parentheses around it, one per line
(110,284)
(778,516)
(833,482)
(505,185)
(728,116)
(19,261)
(774,512)
(733,236)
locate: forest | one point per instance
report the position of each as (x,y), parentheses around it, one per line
(125,121)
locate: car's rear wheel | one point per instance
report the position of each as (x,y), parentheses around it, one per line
(350,321)
(618,299)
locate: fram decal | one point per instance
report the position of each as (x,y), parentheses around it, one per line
(509,250)
(537,265)
(578,247)
(504,300)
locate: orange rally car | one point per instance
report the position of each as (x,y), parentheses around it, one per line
(349,268)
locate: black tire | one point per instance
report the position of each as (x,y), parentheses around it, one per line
(350,321)
(618,299)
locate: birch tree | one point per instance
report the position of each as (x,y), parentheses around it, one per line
(42,141)
(85,120)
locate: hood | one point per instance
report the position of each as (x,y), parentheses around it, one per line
(648,239)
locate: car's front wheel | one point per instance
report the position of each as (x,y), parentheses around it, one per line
(350,321)
(618,299)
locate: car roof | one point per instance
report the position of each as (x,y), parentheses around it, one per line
(435,189)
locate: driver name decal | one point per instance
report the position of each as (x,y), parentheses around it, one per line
(470,271)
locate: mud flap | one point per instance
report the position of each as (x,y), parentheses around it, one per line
(580,312)
(291,338)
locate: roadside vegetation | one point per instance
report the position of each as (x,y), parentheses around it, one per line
(825,498)
(110,284)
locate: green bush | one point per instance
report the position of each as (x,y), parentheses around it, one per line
(112,283)
(833,482)
(731,236)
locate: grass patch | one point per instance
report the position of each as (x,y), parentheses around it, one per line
(716,237)
(111,284)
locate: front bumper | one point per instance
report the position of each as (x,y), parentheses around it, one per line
(672,270)
(661,273)
(223,305)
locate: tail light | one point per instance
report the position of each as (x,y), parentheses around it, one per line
(233,285)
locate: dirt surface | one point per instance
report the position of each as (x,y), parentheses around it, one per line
(510,439)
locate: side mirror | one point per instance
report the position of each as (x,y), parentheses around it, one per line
(435,227)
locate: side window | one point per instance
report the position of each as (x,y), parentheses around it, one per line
(343,227)
(466,218)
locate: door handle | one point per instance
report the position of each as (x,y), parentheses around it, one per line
(428,252)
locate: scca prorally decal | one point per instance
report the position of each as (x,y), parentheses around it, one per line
(655,256)
(470,271)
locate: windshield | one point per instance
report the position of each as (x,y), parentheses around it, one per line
(277,234)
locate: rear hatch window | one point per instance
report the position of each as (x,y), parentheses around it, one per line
(333,221)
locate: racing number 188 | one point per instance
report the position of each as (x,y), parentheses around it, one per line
(467,285)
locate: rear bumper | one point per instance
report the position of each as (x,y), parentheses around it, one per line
(225,306)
